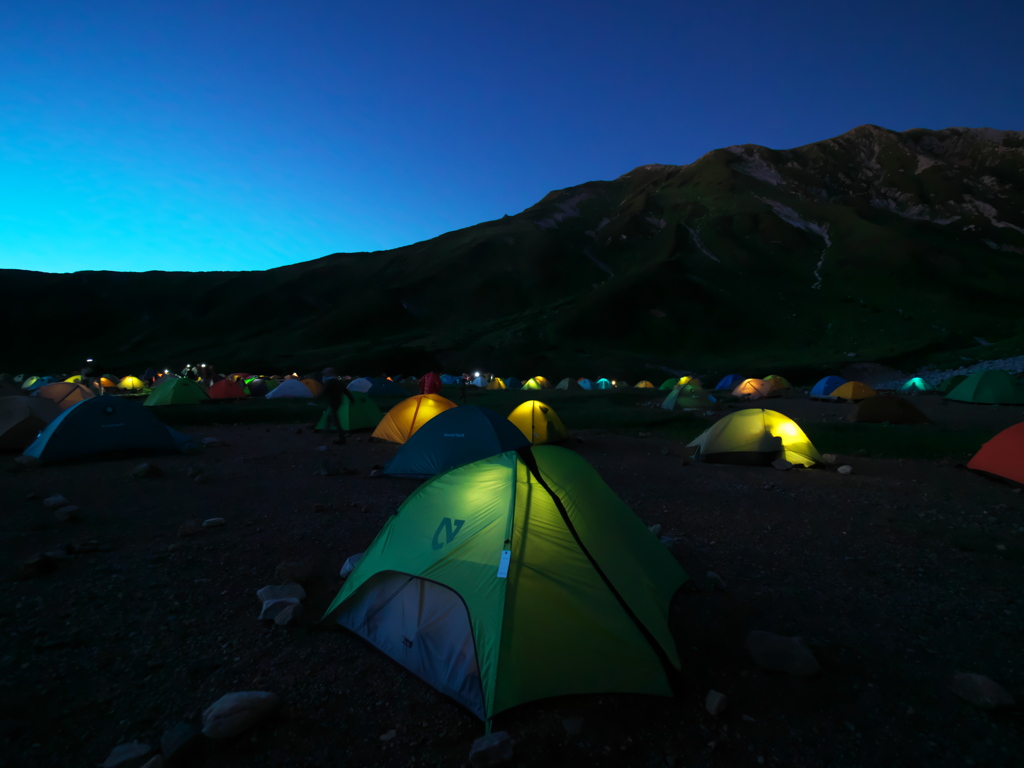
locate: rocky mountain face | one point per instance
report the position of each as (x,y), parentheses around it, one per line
(871,245)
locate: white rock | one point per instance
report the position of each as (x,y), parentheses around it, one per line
(829,458)
(846,469)
(981,691)
(279,591)
(271,608)
(655,529)
(781,654)
(208,441)
(125,753)
(494,749)
(782,464)
(235,713)
(350,565)
(55,502)
(716,702)
(289,615)
(213,522)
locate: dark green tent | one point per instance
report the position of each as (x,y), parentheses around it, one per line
(357,412)
(988,387)
(452,438)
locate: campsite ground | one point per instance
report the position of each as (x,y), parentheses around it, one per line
(897,576)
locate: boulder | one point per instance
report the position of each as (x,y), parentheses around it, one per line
(494,749)
(781,654)
(235,713)
(55,502)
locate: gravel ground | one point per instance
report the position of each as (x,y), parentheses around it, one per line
(897,577)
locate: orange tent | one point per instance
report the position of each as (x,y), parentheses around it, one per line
(1003,455)
(402,421)
(753,389)
(64,394)
(314,386)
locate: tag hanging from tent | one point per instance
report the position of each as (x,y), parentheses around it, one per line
(506,558)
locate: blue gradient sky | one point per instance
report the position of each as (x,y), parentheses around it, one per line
(252,134)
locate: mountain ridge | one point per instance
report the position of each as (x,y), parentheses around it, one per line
(665,265)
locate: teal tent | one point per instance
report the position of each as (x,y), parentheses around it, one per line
(105,425)
(452,438)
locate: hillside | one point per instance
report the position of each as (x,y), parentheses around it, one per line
(875,244)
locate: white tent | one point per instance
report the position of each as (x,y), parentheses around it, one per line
(360,385)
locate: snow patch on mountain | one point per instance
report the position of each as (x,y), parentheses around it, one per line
(915,211)
(793,218)
(566,210)
(924,162)
(754,165)
(990,213)
(998,247)
(700,245)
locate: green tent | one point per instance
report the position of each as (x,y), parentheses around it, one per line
(948,385)
(687,396)
(670,383)
(915,385)
(515,578)
(177,392)
(989,387)
(357,412)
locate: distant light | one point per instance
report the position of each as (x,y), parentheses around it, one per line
(477,373)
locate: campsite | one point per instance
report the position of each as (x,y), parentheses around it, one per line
(897,567)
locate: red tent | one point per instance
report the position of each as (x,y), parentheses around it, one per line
(226,389)
(1003,455)
(430,384)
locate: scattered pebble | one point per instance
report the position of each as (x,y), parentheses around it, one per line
(272,608)
(388,735)
(494,749)
(716,702)
(55,502)
(213,522)
(846,469)
(281,591)
(782,464)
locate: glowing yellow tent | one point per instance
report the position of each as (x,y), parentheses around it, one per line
(496,383)
(853,390)
(537,382)
(402,421)
(133,383)
(538,422)
(755,436)
(753,389)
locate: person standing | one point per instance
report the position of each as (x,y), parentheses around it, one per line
(334,390)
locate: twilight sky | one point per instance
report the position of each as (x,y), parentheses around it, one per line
(249,134)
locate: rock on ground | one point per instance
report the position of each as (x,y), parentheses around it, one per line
(55,502)
(491,750)
(289,615)
(781,654)
(235,713)
(716,702)
(125,754)
(981,691)
(272,608)
(281,591)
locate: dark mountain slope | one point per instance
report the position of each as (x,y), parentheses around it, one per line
(877,243)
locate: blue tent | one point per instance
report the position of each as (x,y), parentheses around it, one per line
(730,382)
(511,382)
(448,380)
(382,386)
(827,386)
(455,437)
(586,383)
(105,424)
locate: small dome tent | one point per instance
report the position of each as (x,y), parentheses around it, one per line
(729,382)
(825,387)
(915,386)
(753,389)
(452,438)
(538,422)
(755,436)
(177,392)
(103,425)
(64,394)
(131,384)
(989,388)
(402,421)
(22,418)
(289,388)
(515,578)
(853,391)
(1003,455)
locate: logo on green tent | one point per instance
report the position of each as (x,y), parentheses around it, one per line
(450,532)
